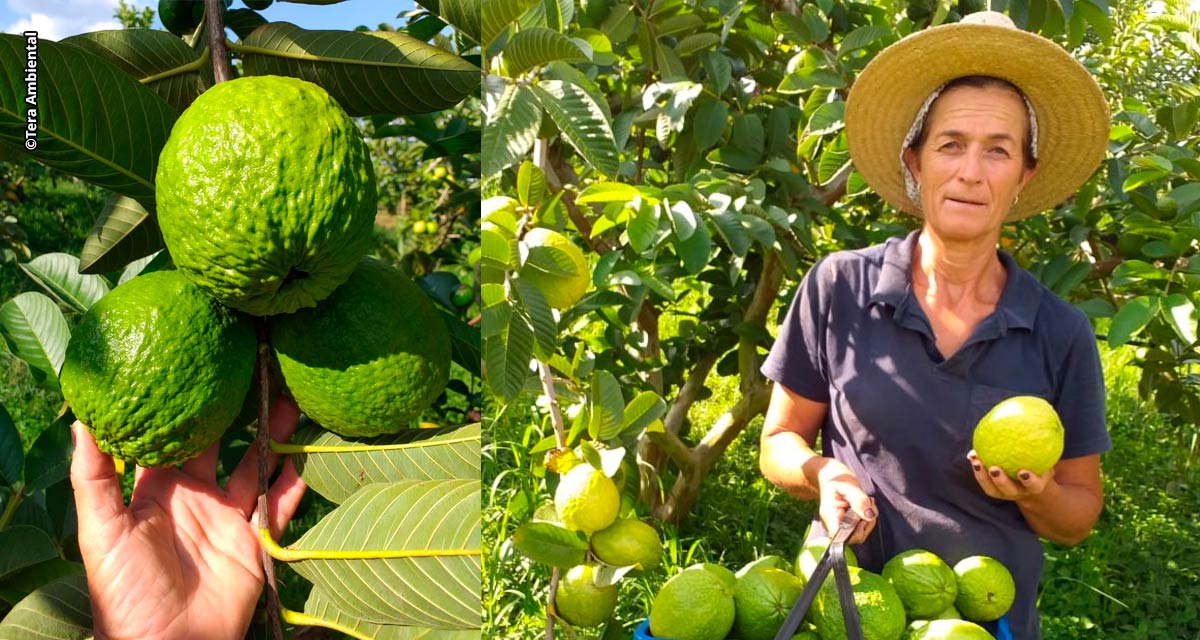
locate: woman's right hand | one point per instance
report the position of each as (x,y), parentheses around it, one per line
(840,492)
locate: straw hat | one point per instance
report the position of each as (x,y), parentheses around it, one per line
(1071,112)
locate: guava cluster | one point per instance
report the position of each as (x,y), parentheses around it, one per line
(266,200)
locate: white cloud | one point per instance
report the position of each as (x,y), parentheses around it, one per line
(57,19)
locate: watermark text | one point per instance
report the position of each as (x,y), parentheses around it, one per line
(31,78)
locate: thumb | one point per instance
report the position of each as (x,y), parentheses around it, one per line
(98,497)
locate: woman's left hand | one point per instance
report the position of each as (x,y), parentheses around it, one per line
(996,484)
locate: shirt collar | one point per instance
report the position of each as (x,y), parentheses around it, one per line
(1018,303)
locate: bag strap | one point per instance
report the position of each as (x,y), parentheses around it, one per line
(833,559)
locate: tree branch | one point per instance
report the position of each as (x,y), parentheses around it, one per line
(689,393)
(835,188)
(215,25)
(263,441)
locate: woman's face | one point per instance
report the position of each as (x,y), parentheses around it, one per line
(971,167)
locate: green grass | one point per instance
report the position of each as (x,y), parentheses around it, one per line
(1136,577)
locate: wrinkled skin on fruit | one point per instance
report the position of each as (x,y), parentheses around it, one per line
(368,359)
(266,194)
(158,370)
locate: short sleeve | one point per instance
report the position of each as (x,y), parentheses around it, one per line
(1080,403)
(797,358)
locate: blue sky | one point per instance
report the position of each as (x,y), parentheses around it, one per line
(57,19)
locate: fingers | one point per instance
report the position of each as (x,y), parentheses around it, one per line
(97,487)
(204,466)
(242,487)
(283,498)
(997,484)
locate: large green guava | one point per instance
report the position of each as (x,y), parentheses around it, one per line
(369,358)
(157,370)
(266,195)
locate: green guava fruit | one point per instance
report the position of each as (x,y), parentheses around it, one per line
(369,358)
(157,370)
(580,601)
(266,194)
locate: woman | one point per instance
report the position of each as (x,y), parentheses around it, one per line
(892,353)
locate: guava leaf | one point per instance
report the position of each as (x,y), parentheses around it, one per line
(440,591)
(243,22)
(155,58)
(23,546)
(465,348)
(322,613)
(12,453)
(537,46)
(60,610)
(512,129)
(581,121)
(95,121)
(49,459)
(507,349)
(123,232)
(20,584)
(550,544)
(430,454)
(59,274)
(368,73)
(497,15)
(1131,318)
(463,15)
(38,333)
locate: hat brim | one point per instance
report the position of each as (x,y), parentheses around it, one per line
(1072,114)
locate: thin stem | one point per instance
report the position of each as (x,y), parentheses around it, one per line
(11,508)
(560,433)
(295,618)
(215,22)
(263,442)
(550,617)
(180,70)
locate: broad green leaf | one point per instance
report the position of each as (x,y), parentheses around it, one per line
(465,347)
(15,587)
(678,24)
(792,27)
(828,118)
(368,73)
(550,544)
(37,331)
(49,459)
(123,232)
(710,122)
(645,408)
(1140,178)
(534,47)
(1180,313)
(1097,18)
(862,37)
(157,59)
(507,350)
(60,610)
(156,261)
(746,144)
(602,192)
(1131,318)
(695,252)
(323,613)
(833,158)
(697,42)
(12,452)
(23,546)
(683,220)
(95,121)
(606,406)
(643,227)
(59,274)
(427,454)
(463,15)
(531,185)
(1131,271)
(582,122)
(730,227)
(243,22)
(719,70)
(440,517)
(512,129)
(532,305)
(497,15)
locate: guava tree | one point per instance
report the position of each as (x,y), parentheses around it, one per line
(100,106)
(695,151)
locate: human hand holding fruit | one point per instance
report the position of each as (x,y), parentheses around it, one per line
(182,559)
(997,484)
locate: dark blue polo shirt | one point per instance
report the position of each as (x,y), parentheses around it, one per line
(901,416)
